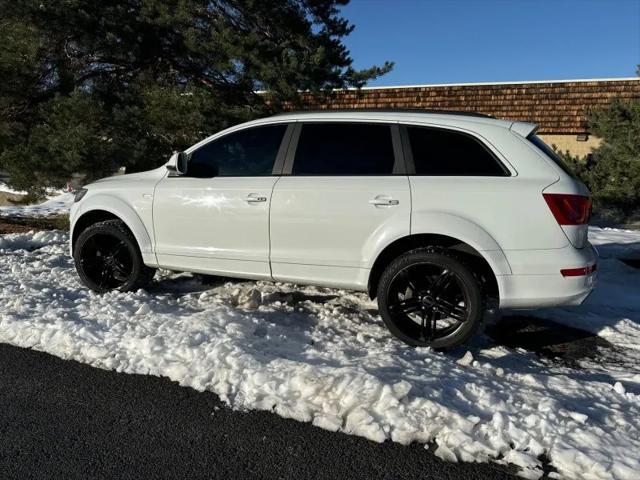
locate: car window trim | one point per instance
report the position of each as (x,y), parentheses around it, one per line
(409,159)
(406,150)
(399,164)
(291,150)
(277,163)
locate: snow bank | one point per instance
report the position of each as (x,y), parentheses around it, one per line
(7,189)
(31,241)
(58,204)
(324,356)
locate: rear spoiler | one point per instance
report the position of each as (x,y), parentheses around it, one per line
(523,128)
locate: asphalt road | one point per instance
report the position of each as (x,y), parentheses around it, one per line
(62,419)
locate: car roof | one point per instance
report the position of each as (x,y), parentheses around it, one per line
(448,118)
(463,120)
(389,110)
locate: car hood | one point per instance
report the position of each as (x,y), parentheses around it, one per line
(155,174)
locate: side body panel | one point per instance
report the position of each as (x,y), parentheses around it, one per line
(130,198)
(513,228)
(463,229)
(325,230)
(214,225)
(510,210)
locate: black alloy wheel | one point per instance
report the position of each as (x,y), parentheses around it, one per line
(106,261)
(107,258)
(430,298)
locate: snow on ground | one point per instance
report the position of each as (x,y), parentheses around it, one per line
(50,191)
(7,189)
(324,356)
(58,203)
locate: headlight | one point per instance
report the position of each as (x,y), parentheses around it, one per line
(79,194)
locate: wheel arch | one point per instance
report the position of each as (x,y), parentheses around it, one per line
(107,208)
(87,219)
(488,264)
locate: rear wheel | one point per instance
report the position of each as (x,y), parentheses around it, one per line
(430,298)
(107,257)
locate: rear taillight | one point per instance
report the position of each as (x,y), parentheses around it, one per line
(569,209)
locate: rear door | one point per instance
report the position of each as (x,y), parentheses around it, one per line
(215,218)
(343,193)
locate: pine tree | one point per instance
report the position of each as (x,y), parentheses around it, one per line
(613,172)
(88,86)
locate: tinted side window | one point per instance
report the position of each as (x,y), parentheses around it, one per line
(249,152)
(445,152)
(344,149)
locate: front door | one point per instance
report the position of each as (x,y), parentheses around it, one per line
(344,197)
(215,218)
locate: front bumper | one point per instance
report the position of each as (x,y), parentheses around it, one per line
(73,212)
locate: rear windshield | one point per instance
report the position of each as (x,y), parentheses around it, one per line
(549,152)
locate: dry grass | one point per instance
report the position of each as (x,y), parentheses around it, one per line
(8,199)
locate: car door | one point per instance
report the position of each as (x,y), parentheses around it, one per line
(215,217)
(342,197)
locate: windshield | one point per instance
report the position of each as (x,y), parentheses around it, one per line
(549,152)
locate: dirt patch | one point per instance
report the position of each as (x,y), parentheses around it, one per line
(12,228)
(26,224)
(10,199)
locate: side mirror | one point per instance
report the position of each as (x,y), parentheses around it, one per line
(178,163)
(181,163)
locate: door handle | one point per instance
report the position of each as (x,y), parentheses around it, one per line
(382,201)
(255,198)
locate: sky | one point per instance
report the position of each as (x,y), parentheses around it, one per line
(459,41)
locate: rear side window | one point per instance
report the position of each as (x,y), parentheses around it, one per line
(344,149)
(249,152)
(548,151)
(445,152)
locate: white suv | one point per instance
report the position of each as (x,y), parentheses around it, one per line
(440,216)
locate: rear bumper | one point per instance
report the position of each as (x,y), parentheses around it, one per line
(544,285)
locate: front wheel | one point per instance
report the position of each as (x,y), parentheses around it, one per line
(107,257)
(429,298)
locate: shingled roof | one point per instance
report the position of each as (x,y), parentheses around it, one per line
(558,107)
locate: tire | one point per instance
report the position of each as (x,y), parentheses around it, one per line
(107,257)
(438,289)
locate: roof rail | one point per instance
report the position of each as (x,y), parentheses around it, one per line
(387,110)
